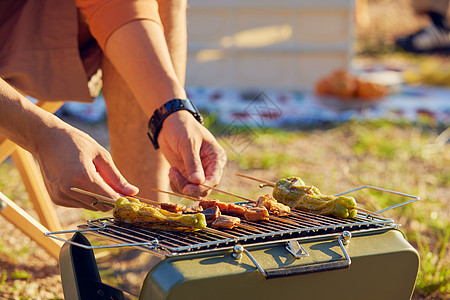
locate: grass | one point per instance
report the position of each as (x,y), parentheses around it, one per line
(435,271)
(403,157)
(408,158)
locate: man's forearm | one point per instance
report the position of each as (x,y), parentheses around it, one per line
(20,120)
(139,52)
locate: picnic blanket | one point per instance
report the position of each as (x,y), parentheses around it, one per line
(277,108)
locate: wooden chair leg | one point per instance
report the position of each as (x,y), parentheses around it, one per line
(6,148)
(28,225)
(34,184)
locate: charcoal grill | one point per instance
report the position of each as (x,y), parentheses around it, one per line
(321,257)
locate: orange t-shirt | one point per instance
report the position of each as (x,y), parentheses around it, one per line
(105,16)
(39,50)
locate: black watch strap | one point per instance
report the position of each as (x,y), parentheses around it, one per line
(156,121)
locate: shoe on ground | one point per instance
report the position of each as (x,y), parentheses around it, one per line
(428,40)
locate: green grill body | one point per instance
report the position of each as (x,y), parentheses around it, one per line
(383,266)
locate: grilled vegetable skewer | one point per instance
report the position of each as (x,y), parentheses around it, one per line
(129,210)
(311,190)
(296,194)
(293,192)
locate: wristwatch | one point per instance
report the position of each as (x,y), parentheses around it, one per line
(156,121)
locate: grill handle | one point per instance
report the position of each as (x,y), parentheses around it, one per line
(150,245)
(343,240)
(415,198)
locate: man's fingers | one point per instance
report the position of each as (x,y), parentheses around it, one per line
(111,175)
(100,173)
(214,161)
(180,184)
(193,165)
(177,180)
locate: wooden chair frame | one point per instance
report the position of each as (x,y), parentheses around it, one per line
(39,197)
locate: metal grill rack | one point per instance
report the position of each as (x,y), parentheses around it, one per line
(171,243)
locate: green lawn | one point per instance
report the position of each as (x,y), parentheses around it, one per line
(413,159)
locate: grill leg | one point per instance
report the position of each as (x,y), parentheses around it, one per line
(79,273)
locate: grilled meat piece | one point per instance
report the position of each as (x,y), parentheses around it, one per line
(172,207)
(131,211)
(273,206)
(207,203)
(225,208)
(211,214)
(192,209)
(226,222)
(235,209)
(294,193)
(256,214)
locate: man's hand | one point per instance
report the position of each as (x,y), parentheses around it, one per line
(193,152)
(71,158)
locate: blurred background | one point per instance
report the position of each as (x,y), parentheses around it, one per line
(331,91)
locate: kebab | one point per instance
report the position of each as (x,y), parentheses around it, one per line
(293,192)
(296,194)
(131,211)
(276,208)
(173,207)
(249,213)
(270,217)
(215,212)
(226,208)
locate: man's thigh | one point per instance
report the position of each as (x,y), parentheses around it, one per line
(131,148)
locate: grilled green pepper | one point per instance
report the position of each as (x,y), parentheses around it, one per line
(294,193)
(131,211)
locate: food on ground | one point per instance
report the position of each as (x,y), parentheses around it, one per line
(344,85)
(131,211)
(370,90)
(431,72)
(294,193)
(276,208)
(256,214)
(226,222)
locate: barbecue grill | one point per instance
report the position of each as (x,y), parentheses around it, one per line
(320,257)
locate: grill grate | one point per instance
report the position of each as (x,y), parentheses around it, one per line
(308,225)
